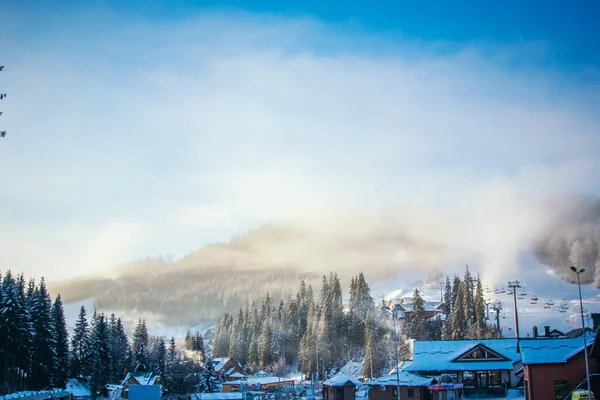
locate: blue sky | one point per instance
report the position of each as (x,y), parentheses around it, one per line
(138,128)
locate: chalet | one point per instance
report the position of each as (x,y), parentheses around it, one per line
(209,335)
(267,384)
(340,387)
(405,308)
(79,390)
(139,378)
(412,386)
(553,367)
(225,367)
(484,365)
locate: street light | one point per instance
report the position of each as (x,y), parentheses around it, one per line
(396,339)
(587,367)
(281,357)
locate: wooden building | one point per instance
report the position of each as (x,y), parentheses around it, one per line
(482,366)
(554,367)
(139,378)
(412,386)
(340,387)
(225,367)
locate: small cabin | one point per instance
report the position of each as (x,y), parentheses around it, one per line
(340,387)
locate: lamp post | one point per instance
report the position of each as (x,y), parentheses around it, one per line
(396,340)
(281,358)
(514,285)
(587,367)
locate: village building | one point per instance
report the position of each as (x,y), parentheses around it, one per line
(340,387)
(139,378)
(267,384)
(79,390)
(404,309)
(483,366)
(554,367)
(412,386)
(225,367)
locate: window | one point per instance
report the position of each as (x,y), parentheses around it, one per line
(411,392)
(395,392)
(561,389)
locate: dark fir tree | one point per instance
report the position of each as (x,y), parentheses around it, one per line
(418,319)
(448,297)
(80,347)
(61,339)
(100,356)
(160,357)
(119,350)
(208,379)
(44,353)
(172,351)
(140,347)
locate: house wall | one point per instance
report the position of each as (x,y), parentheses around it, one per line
(540,377)
(329,392)
(420,393)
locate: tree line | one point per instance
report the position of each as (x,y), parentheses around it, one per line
(37,352)
(272,336)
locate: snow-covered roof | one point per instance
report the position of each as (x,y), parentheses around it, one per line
(218,396)
(441,355)
(220,363)
(41,395)
(342,380)
(405,379)
(77,389)
(143,378)
(254,381)
(237,375)
(550,351)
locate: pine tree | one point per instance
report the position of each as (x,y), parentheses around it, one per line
(374,359)
(459,320)
(236,346)
(208,379)
(448,297)
(265,346)
(44,355)
(160,357)
(479,310)
(467,301)
(100,356)
(119,349)
(455,288)
(140,347)
(61,338)
(80,347)
(172,351)
(15,333)
(418,320)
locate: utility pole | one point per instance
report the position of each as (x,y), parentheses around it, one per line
(514,285)
(441,291)
(497,307)
(348,348)
(587,364)
(397,345)
(281,358)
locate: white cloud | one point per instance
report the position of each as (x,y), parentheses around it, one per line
(219,123)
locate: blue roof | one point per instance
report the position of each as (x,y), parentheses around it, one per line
(552,351)
(441,355)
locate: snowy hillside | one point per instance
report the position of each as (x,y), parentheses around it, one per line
(557,302)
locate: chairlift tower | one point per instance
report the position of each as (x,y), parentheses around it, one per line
(497,307)
(514,285)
